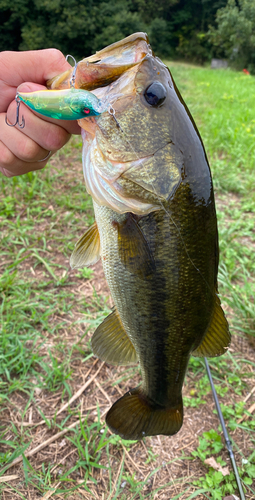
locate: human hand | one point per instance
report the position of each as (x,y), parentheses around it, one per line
(27,149)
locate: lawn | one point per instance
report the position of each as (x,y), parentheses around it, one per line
(54,393)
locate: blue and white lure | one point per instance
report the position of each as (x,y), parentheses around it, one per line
(67,104)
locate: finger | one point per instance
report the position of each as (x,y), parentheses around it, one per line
(35,65)
(25,148)
(10,165)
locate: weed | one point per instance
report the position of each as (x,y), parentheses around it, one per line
(216,482)
(85,273)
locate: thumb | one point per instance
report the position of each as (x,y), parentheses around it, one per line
(30,87)
(36,66)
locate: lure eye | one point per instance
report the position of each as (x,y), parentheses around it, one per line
(86,111)
(155,94)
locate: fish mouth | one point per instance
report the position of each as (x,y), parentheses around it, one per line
(106,65)
(111,164)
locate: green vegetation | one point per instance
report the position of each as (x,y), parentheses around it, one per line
(80,27)
(48,314)
(235,33)
(221,482)
(196,30)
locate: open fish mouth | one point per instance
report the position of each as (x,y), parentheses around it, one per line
(106,65)
(121,166)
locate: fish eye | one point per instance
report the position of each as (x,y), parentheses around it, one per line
(155,94)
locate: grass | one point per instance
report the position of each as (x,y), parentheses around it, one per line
(58,436)
(222,103)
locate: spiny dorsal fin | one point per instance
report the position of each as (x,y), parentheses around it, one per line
(111,343)
(134,417)
(87,249)
(217,337)
(134,250)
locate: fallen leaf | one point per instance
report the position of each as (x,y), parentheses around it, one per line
(212,462)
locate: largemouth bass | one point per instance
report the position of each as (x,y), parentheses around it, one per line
(156,232)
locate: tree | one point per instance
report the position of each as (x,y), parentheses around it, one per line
(190,21)
(235,33)
(74,26)
(79,27)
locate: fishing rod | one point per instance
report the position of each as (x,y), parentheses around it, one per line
(225,432)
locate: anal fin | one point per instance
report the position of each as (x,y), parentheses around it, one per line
(111,343)
(217,337)
(134,417)
(87,249)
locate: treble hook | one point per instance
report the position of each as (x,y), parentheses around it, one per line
(72,79)
(22,124)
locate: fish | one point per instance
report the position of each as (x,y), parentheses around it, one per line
(155,231)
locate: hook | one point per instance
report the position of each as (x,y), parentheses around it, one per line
(72,79)
(111,112)
(22,124)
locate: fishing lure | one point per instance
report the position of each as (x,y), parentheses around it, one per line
(67,104)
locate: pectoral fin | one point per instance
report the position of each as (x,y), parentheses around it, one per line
(217,337)
(87,249)
(134,250)
(111,343)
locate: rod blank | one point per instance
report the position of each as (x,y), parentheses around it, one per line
(225,432)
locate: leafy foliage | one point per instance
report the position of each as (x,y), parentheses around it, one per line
(79,27)
(177,28)
(235,33)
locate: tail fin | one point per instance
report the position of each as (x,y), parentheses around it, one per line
(134,417)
